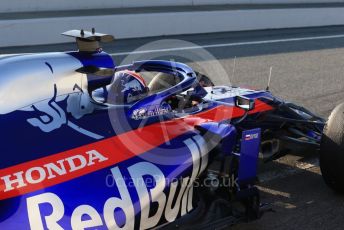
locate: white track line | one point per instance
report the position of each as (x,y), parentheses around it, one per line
(230,44)
(220,45)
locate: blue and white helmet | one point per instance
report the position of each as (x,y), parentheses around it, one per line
(128,87)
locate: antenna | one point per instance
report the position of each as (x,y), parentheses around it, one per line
(234,66)
(270,75)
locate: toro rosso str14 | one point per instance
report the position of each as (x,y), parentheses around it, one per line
(86,144)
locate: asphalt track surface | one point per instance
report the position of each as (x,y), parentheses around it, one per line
(307,68)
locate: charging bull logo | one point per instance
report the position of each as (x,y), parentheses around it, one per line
(37,84)
(78,104)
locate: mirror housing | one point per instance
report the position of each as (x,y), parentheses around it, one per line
(100,72)
(244,103)
(97,77)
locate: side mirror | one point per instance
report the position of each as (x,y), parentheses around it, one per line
(99,77)
(100,72)
(244,103)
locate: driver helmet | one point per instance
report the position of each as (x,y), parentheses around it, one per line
(128,87)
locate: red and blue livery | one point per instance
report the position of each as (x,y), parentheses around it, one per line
(86,144)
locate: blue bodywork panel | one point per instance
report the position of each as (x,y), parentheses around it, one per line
(250,146)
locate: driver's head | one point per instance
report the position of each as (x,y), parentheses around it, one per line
(128,87)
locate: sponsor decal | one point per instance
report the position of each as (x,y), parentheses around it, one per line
(41,173)
(143,113)
(249,137)
(162,202)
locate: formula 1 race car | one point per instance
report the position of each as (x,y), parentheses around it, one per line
(153,144)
